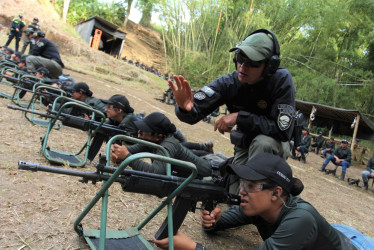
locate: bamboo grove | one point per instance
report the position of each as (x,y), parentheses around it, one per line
(328,46)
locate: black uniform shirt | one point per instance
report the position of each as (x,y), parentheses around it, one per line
(34,26)
(267,107)
(46,49)
(17,24)
(345,154)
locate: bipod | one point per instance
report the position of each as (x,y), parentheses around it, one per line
(25,84)
(42,91)
(9,75)
(62,157)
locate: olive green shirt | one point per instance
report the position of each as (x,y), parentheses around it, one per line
(176,151)
(299,226)
(126,124)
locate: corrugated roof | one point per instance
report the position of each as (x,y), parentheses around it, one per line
(333,113)
(103,21)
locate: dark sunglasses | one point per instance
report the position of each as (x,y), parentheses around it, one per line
(242,59)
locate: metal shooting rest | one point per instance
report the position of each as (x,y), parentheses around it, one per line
(62,157)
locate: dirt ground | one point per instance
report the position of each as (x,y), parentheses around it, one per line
(40,208)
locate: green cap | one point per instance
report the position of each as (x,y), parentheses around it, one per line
(256,47)
(20,15)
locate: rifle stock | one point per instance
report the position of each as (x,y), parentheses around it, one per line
(153,184)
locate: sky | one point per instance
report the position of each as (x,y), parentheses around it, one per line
(135,14)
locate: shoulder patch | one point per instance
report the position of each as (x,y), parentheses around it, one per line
(40,44)
(207,90)
(286,116)
(199,95)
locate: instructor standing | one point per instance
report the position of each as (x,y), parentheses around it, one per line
(16,30)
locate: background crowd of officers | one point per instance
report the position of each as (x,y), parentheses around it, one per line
(145,67)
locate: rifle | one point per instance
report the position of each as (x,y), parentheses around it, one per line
(152,184)
(101,131)
(75,121)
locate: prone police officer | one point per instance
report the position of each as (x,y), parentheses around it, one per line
(259,95)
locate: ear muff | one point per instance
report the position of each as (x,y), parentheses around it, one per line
(273,62)
(234,59)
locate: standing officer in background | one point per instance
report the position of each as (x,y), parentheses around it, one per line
(259,96)
(45,54)
(17,25)
(33,27)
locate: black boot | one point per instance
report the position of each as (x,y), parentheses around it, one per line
(365,187)
(342,176)
(322,168)
(302,159)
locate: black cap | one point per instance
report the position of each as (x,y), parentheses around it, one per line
(9,50)
(81,87)
(265,166)
(36,19)
(18,54)
(331,138)
(345,141)
(121,102)
(156,122)
(40,34)
(42,70)
(22,60)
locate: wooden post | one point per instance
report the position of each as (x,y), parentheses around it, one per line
(311,117)
(330,131)
(355,134)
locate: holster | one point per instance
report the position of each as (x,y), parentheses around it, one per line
(239,139)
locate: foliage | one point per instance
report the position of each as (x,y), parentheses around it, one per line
(326,45)
(146,6)
(80,10)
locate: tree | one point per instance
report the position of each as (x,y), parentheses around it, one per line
(128,10)
(146,7)
(65,10)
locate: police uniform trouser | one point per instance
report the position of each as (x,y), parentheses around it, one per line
(260,144)
(26,43)
(35,62)
(14,34)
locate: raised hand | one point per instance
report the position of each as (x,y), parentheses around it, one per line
(182,93)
